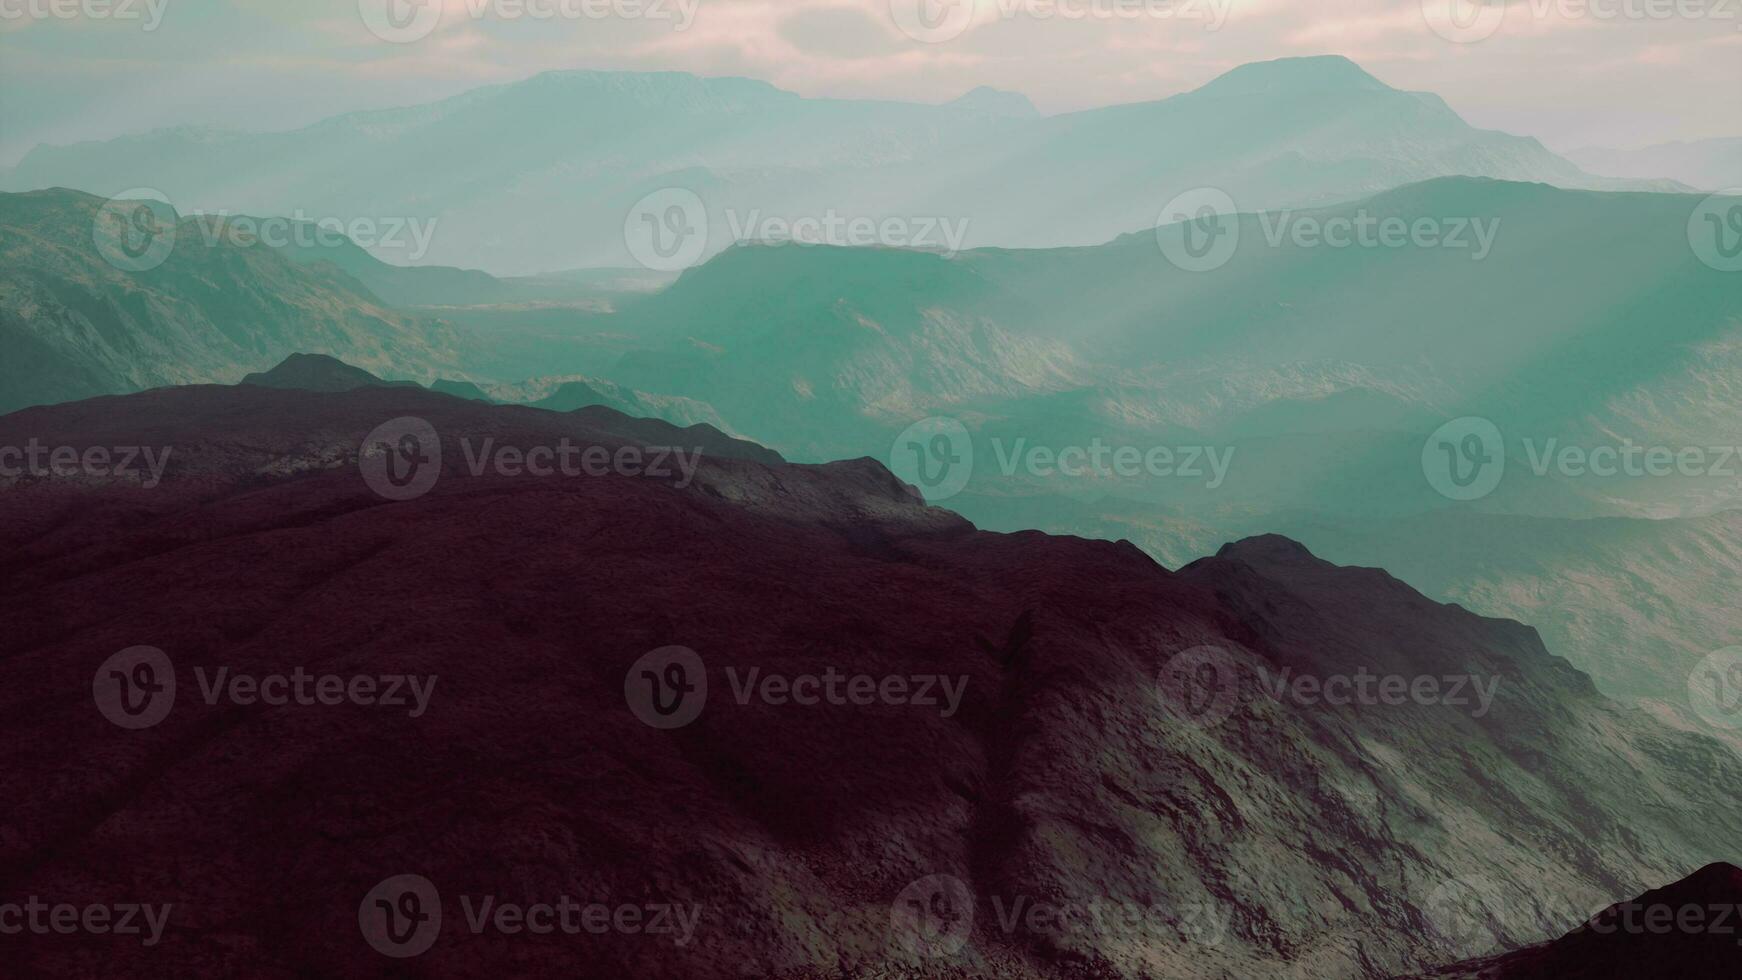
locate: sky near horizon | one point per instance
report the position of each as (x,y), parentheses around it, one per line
(1572,73)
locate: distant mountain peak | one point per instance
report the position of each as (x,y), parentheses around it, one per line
(1311,73)
(998,102)
(315,372)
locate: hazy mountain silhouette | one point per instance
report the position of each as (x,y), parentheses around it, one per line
(1293,132)
(1714,164)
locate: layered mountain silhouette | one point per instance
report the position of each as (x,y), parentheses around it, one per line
(1714,164)
(1293,132)
(1686,929)
(1254,834)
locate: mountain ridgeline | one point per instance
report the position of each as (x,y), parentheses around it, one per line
(1294,132)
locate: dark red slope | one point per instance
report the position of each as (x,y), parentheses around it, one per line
(1691,929)
(1287,837)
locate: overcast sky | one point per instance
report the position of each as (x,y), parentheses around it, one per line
(1571,72)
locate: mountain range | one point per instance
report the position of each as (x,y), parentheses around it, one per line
(542,174)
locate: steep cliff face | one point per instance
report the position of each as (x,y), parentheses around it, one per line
(923,750)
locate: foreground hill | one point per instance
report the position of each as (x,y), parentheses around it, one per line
(1166,830)
(1292,132)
